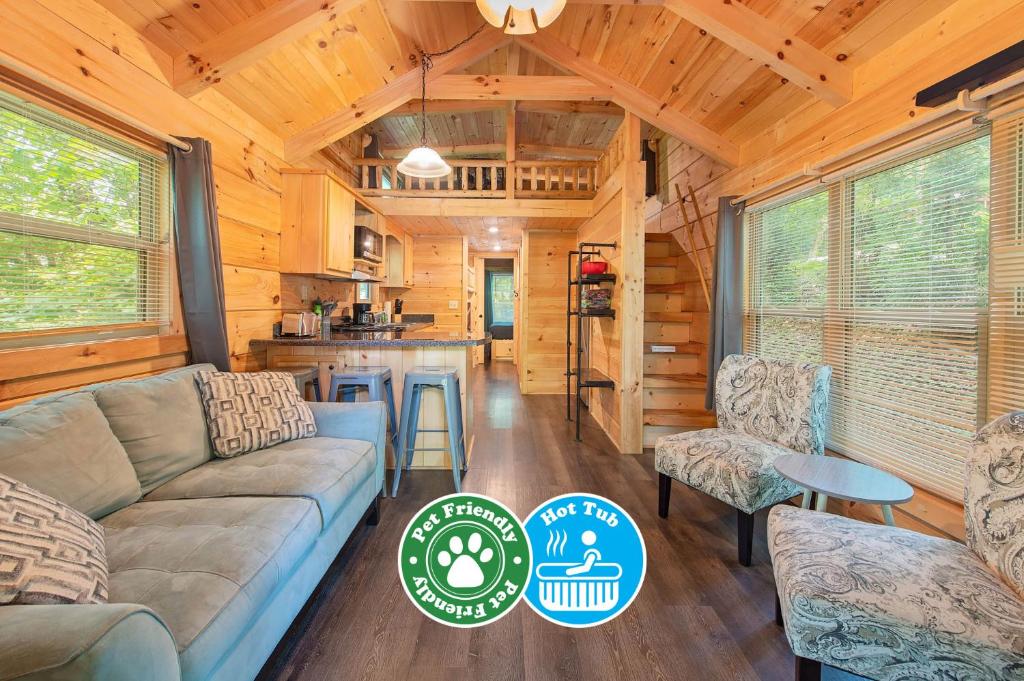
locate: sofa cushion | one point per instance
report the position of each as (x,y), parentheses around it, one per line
(323,469)
(63,447)
(49,552)
(247,412)
(160,423)
(731,467)
(891,604)
(207,566)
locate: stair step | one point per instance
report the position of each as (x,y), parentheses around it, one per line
(675,380)
(676,348)
(698,418)
(651,261)
(669,317)
(678,287)
(658,237)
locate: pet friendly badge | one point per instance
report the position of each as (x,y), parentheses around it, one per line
(464,560)
(590,560)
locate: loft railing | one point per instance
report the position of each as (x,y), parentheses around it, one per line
(483,179)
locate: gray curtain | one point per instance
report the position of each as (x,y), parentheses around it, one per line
(197,240)
(725,326)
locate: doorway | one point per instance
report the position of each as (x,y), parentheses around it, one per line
(499,308)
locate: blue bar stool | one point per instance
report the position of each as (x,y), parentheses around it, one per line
(447,380)
(306,376)
(377,381)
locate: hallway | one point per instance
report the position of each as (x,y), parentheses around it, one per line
(699,614)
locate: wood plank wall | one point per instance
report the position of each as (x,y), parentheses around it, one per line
(440,266)
(82,45)
(541,334)
(617,344)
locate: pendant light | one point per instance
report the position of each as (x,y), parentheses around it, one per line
(520,17)
(423,161)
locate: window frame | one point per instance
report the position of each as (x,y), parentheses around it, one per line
(152,244)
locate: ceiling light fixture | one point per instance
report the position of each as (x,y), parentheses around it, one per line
(423,161)
(493,230)
(497,247)
(520,17)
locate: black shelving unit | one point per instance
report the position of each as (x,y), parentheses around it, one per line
(586,377)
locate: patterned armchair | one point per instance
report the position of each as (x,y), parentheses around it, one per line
(766,408)
(891,604)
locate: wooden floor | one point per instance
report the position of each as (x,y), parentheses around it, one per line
(699,615)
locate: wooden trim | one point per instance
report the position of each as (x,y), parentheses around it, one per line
(522,88)
(633,99)
(49,359)
(249,41)
(396,93)
(746,31)
(527,208)
(596,108)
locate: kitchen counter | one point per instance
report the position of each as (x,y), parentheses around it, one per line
(408,338)
(418,346)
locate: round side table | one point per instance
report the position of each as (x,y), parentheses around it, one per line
(828,476)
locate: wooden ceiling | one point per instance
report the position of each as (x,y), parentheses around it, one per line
(478,229)
(323,62)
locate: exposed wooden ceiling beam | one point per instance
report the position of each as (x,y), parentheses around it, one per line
(610,109)
(245,43)
(393,95)
(505,208)
(545,150)
(566,88)
(754,35)
(557,152)
(435,106)
(450,150)
(635,100)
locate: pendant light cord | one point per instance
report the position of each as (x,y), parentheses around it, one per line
(427,63)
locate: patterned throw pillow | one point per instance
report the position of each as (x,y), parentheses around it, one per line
(49,552)
(253,411)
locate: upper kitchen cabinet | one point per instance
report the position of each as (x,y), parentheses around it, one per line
(325,230)
(397,258)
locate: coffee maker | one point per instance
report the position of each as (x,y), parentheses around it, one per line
(361,313)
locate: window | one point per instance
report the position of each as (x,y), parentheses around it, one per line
(83,226)
(502,310)
(787,256)
(884,276)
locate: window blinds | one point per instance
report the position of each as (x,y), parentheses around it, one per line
(903,264)
(1006,281)
(83,225)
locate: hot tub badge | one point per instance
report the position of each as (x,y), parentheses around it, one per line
(464,560)
(590,561)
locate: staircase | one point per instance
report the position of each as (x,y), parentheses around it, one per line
(675,350)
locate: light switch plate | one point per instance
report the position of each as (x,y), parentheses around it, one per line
(453,305)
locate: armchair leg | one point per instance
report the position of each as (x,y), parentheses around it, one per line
(664,492)
(744,536)
(807,670)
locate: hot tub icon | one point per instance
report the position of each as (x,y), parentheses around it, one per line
(589,586)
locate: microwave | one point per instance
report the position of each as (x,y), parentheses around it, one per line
(369,245)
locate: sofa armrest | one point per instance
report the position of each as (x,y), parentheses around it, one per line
(111,642)
(354,421)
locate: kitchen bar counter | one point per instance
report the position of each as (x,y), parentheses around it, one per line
(400,351)
(409,338)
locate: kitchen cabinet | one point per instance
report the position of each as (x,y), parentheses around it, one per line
(398,259)
(318,219)
(407,271)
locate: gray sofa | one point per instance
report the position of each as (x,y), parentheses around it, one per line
(210,559)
